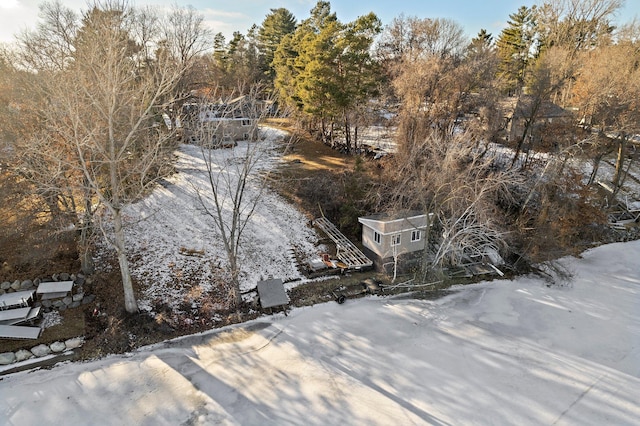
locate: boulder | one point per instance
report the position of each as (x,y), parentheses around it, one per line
(26,285)
(7,358)
(78,297)
(64,277)
(74,343)
(57,347)
(16,285)
(41,350)
(67,300)
(23,355)
(5,285)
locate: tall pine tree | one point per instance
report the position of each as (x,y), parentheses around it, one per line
(325,72)
(516,46)
(276,25)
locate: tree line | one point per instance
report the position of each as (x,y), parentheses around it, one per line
(82,98)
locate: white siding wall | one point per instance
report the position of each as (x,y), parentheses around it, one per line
(385,249)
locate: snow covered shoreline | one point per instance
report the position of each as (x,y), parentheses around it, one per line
(500,352)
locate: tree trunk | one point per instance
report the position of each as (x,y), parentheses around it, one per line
(130,304)
(86,257)
(528,129)
(355,138)
(596,166)
(622,149)
(234,292)
(625,174)
(347,132)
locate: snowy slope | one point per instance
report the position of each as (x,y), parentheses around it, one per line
(172,220)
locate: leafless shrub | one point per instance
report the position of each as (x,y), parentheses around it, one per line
(555,274)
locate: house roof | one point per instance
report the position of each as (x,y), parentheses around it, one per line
(393,216)
(394,222)
(547,109)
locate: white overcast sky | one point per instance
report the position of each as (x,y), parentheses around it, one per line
(238,15)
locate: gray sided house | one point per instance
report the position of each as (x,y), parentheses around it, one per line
(395,240)
(219,123)
(546,113)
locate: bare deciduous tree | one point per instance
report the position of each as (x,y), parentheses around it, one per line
(447,176)
(235,182)
(102,105)
(429,78)
(607,91)
(576,25)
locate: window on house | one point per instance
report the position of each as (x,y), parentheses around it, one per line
(376,237)
(395,240)
(416,235)
(246,122)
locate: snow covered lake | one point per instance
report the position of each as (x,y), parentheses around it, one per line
(501,352)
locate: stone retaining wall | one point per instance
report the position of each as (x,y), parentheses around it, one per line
(79,295)
(41,350)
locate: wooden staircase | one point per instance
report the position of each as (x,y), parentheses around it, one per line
(346,251)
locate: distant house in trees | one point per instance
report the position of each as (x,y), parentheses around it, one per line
(218,123)
(522,110)
(395,241)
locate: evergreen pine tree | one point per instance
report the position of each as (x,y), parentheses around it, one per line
(274,28)
(516,47)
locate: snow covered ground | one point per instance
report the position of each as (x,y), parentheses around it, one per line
(501,352)
(174,246)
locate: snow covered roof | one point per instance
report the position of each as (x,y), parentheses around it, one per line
(388,222)
(393,215)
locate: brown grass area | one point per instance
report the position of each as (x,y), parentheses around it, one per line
(306,155)
(321,180)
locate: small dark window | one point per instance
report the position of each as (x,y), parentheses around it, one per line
(376,237)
